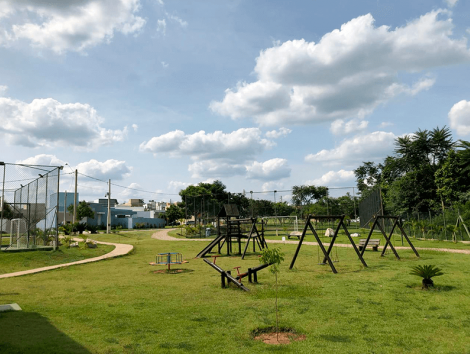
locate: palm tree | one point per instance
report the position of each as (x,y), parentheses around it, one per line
(427,272)
(440,143)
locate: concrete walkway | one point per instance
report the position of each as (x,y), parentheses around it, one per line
(163,235)
(119,250)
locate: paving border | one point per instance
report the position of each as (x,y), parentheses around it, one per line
(120,249)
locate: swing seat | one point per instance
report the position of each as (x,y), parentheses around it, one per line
(374,243)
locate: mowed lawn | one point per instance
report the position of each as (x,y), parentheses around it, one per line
(122,306)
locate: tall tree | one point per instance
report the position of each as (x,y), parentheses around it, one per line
(83,210)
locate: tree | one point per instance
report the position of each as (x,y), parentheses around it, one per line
(304,195)
(407,179)
(273,256)
(174,213)
(368,176)
(7,212)
(83,210)
(453,177)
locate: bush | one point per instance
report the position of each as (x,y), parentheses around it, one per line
(79,227)
(92,228)
(426,272)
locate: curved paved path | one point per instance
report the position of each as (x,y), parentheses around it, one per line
(163,235)
(119,250)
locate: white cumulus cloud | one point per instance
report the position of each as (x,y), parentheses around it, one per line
(365,147)
(109,169)
(130,191)
(347,74)
(333,178)
(68,25)
(238,145)
(43,159)
(215,168)
(47,122)
(273,169)
(459,116)
(274,134)
(342,127)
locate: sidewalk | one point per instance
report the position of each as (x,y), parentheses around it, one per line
(119,250)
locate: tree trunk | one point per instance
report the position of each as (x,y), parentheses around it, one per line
(427,283)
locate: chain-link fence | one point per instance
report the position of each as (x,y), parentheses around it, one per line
(439,224)
(29,199)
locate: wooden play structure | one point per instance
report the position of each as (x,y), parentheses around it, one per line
(232,230)
(396,223)
(226,276)
(326,253)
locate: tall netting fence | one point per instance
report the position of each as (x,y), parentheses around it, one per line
(451,223)
(369,207)
(28,206)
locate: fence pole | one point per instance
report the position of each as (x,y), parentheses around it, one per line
(2,202)
(56,243)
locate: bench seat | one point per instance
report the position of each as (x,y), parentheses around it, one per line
(374,243)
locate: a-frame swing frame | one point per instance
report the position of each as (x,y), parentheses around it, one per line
(326,253)
(260,240)
(389,237)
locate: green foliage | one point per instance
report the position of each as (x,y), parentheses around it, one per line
(419,177)
(272,256)
(79,227)
(305,195)
(427,272)
(67,240)
(7,212)
(83,210)
(92,228)
(173,213)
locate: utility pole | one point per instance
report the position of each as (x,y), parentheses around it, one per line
(108,224)
(74,217)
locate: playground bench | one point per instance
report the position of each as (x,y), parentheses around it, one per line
(374,243)
(295,234)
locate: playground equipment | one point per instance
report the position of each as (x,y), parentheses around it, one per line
(326,253)
(226,275)
(289,225)
(388,239)
(233,230)
(168,259)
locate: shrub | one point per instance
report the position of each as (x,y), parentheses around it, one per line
(427,272)
(92,228)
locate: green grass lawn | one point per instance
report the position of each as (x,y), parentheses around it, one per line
(17,261)
(122,306)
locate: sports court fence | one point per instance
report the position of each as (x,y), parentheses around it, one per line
(28,206)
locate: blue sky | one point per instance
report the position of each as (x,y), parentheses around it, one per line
(262,95)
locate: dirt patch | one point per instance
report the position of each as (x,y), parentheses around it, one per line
(270,336)
(281,338)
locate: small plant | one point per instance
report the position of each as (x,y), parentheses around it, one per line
(427,272)
(67,240)
(92,228)
(79,227)
(274,257)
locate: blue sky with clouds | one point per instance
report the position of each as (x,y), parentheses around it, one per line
(262,95)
